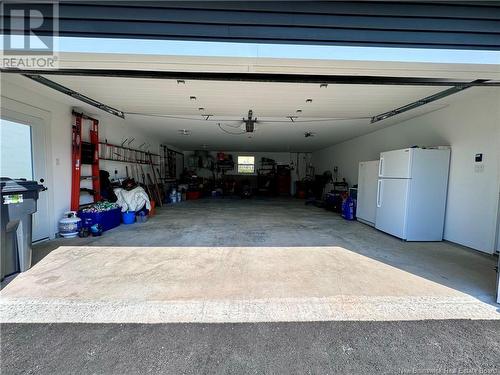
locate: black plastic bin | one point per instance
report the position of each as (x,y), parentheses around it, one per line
(18,204)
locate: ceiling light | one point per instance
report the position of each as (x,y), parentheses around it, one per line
(184,131)
(192,97)
(323,85)
(309,100)
(181,82)
(299,111)
(201,109)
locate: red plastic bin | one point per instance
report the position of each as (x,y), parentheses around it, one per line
(192,195)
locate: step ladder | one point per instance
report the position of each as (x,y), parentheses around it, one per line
(76,174)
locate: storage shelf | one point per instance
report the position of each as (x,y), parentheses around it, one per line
(129,161)
(121,154)
(128,148)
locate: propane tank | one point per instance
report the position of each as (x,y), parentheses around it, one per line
(70,225)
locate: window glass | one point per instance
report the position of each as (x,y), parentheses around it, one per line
(246,160)
(246,168)
(15,150)
(246,164)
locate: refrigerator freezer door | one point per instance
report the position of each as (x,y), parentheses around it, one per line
(427,195)
(392,195)
(366,209)
(395,164)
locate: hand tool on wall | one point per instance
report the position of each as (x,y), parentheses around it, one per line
(155,180)
(145,184)
(137,174)
(156,192)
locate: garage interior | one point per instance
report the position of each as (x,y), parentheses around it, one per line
(251,187)
(234,244)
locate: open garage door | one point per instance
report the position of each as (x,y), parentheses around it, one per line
(357,101)
(457,25)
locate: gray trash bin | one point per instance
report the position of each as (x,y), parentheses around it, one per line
(18,204)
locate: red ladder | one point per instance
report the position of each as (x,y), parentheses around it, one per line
(76,174)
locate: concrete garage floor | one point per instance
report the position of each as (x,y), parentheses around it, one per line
(287,288)
(235,260)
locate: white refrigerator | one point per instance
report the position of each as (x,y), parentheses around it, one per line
(411,193)
(366,205)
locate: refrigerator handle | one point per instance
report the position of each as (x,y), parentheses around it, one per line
(379,193)
(381,167)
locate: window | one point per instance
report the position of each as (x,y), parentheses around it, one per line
(246,164)
(15,155)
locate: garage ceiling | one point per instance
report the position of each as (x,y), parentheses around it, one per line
(228,102)
(267,99)
(270,101)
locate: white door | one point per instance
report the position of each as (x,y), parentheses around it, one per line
(395,164)
(366,209)
(498,249)
(498,226)
(23,156)
(498,281)
(392,195)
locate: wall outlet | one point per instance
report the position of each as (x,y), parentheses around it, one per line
(479,168)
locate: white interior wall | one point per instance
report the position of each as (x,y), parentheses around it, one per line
(470,125)
(57,119)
